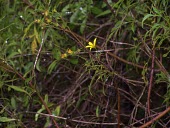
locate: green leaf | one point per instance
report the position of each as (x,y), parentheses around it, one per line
(13,102)
(81,99)
(36,35)
(97,111)
(96,10)
(83,25)
(39,111)
(26,30)
(104,13)
(57,110)
(46,98)
(12,54)
(48,122)
(38,66)
(56,54)
(158,12)
(146,17)
(166,54)
(133,27)
(28,67)
(52,66)
(19,89)
(5,119)
(42,107)
(74,61)
(74,17)
(3,109)
(1,84)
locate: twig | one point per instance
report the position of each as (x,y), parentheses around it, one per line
(118,105)
(45,105)
(156,118)
(134,112)
(48,110)
(158,63)
(108,5)
(73,120)
(151,81)
(11,69)
(42,42)
(28,3)
(79,38)
(98,28)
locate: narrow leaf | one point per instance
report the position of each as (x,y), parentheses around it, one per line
(97,111)
(146,17)
(19,89)
(5,119)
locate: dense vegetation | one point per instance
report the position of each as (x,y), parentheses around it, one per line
(84,63)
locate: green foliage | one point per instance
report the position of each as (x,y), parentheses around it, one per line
(77,13)
(46,67)
(5,119)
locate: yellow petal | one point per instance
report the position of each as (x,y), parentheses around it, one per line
(63,55)
(88,46)
(69,51)
(94,42)
(90,43)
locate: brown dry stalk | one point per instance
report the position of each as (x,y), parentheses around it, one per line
(151,81)
(73,120)
(28,3)
(11,69)
(156,118)
(108,5)
(48,110)
(118,105)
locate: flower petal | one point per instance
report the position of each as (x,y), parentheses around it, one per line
(94,42)
(90,43)
(88,46)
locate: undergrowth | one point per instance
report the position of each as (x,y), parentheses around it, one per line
(84,63)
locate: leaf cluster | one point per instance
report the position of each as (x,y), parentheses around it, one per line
(48,75)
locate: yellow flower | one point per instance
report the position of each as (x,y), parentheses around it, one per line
(69,51)
(92,45)
(63,55)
